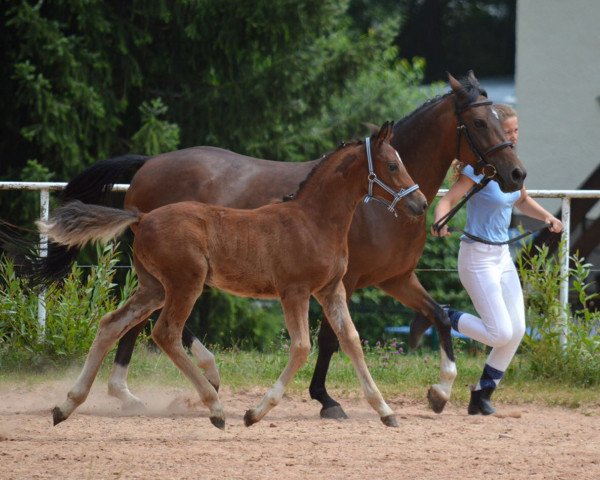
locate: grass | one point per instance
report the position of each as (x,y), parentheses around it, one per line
(397,375)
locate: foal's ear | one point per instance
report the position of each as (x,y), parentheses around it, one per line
(385,133)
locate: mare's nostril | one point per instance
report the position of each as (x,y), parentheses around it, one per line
(518,175)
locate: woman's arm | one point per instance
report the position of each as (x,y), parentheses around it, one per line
(451,198)
(532,209)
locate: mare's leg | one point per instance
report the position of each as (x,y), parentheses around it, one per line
(411,293)
(333,301)
(147,298)
(295,310)
(328,345)
(204,357)
(117,382)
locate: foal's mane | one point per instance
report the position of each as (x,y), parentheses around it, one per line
(323,160)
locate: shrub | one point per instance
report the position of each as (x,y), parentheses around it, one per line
(565,351)
(72,310)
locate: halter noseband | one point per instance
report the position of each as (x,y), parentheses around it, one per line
(486,167)
(391,206)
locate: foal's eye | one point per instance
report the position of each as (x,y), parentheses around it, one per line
(479,123)
(392,167)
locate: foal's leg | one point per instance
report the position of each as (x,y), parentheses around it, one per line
(166,333)
(117,383)
(147,298)
(295,310)
(411,293)
(336,310)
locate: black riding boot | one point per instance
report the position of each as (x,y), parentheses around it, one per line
(480,402)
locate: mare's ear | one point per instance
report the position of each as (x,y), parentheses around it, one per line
(473,80)
(454,83)
(385,133)
(457,88)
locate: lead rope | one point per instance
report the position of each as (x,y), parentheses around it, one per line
(446,218)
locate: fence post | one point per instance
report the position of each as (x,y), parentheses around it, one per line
(564,269)
(44,213)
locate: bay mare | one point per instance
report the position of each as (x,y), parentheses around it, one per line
(288,250)
(383,253)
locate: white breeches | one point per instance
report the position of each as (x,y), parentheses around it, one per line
(489,275)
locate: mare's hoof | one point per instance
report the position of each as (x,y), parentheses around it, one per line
(57,416)
(437,400)
(134,406)
(333,413)
(218,422)
(390,421)
(249,418)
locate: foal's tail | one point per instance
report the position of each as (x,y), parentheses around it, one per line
(76,223)
(93,185)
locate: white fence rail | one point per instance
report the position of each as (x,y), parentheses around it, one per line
(566,195)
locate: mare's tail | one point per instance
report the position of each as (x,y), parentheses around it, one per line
(76,223)
(93,185)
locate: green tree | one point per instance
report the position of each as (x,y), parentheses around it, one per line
(283,79)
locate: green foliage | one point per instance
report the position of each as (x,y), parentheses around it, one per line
(229,321)
(577,361)
(156,135)
(372,310)
(73,310)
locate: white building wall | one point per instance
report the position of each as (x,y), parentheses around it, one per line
(558,91)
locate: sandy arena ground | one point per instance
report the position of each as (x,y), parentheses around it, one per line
(175,440)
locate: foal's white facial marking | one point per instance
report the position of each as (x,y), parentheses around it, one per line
(398,156)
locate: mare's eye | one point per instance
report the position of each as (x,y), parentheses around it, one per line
(479,123)
(392,167)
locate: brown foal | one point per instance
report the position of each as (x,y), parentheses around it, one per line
(288,250)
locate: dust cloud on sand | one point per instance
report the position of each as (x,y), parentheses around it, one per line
(173,438)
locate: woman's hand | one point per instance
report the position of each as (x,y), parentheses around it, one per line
(554,224)
(442,232)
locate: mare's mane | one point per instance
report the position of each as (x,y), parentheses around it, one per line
(470,86)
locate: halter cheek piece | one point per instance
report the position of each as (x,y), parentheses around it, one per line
(372,177)
(488,170)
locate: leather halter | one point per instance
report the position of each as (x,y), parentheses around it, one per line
(486,167)
(397,196)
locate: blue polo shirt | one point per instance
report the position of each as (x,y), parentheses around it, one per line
(489,210)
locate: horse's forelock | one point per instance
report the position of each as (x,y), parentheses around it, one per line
(471,86)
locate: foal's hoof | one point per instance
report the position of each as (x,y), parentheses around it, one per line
(437,399)
(390,420)
(57,416)
(218,422)
(250,418)
(333,413)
